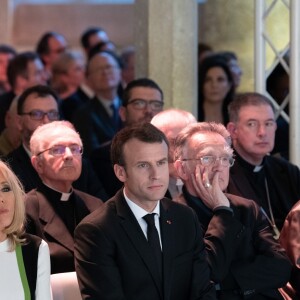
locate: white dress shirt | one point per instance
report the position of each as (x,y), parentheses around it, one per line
(139,213)
(11,287)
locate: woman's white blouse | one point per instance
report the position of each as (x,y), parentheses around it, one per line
(10,281)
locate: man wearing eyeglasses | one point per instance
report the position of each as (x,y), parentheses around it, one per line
(140,245)
(36,106)
(245,260)
(142,100)
(55,208)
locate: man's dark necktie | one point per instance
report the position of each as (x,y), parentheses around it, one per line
(153,239)
(115,116)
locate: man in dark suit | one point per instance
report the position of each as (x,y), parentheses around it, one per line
(246,261)
(36,106)
(122,255)
(7,52)
(273,183)
(54,208)
(98,120)
(142,99)
(92,36)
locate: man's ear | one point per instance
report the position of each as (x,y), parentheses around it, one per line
(37,164)
(181,170)
(231,127)
(19,122)
(8,119)
(120,172)
(22,82)
(122,113)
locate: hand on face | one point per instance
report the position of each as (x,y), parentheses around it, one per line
(209,192)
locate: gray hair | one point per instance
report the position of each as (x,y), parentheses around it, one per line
(172,116)
(202,127)
(41,135)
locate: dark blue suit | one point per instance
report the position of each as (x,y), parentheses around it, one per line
(94,125)
(113,259)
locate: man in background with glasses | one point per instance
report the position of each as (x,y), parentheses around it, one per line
(142,100)
(36,106)
(55,208)
(245,260)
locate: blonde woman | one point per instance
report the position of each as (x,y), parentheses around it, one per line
(24,259)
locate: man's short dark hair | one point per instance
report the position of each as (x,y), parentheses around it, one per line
(246,99)
(43,44)
(140,82)
(145,132)
(41,91)
(17,66)
(6,49)
(85,37)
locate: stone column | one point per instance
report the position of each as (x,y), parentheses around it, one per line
(166,41)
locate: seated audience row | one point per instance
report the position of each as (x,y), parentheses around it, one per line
(243,257)
(203,192)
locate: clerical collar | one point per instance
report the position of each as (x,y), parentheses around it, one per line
(257,168)
(248,166)
(64,196)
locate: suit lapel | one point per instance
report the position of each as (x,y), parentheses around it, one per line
(167,238)
(137,238)
(101,117)
(28,172)
(54,226)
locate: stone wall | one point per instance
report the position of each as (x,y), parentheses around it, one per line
(31,21)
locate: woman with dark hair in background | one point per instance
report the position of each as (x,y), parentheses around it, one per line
(216,90)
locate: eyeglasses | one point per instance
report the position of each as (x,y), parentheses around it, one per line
(208,160)
(39,114)
(59,150)
(142,104)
